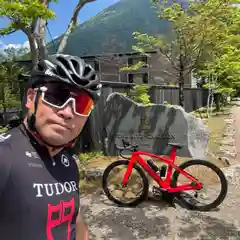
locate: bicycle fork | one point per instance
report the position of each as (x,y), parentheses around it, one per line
(127,173)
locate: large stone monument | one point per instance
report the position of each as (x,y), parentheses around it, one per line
(152,127)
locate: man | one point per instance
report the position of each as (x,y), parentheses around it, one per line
(39,179)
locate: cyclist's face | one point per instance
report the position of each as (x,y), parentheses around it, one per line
(57,126)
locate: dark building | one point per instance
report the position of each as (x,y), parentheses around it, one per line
(158,70)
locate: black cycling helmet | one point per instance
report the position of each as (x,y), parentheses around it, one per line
(67,69)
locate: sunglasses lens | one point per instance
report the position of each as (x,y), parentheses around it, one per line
(55,98)
(84,103)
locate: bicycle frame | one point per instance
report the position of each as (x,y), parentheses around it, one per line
(164,184)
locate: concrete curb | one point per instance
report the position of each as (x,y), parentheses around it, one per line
(232,174)
(228,149)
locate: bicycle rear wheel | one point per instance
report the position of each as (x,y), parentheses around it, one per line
(194,204)
(118,181)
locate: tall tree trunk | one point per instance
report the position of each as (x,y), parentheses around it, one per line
(4,102)
(181,89)
(40,30)
(34,56)
(72,24)
(217,98)
(36,38)
(181,82)
(34,48)
(40,38)
(64,39)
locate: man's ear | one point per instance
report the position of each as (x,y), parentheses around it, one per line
(30,98)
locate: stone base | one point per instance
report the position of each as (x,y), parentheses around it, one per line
(153,127)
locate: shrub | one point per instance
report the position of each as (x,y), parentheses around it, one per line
(139,94)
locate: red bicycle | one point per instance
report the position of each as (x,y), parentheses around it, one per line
(164,177)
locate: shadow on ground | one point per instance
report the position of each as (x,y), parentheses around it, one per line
(152,220)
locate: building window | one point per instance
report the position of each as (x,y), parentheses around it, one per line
(130,61)
(135,60)
(130,78)
(145,60)
(138,78)
(145,78)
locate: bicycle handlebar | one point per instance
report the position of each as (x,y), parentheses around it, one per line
(127,146)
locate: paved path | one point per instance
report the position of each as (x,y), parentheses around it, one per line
(236,112)
(154,220)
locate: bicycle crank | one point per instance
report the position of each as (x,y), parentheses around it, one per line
(164,195)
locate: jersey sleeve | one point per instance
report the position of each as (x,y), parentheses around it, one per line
(5,166)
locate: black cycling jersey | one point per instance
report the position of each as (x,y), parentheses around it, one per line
(39,195)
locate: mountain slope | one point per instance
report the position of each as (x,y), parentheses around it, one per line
(111,30)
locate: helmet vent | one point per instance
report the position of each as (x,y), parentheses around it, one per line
(64,62)
(93,76)
(87,70)
(77,80)
(75,64)
(61,72)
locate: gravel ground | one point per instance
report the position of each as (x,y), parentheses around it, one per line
(155,219)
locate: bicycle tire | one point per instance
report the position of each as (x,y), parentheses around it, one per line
(138,200)
(217,170)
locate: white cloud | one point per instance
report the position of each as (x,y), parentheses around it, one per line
(16,46)
(13,46)
(26,45)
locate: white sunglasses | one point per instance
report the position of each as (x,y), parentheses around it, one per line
(82,104)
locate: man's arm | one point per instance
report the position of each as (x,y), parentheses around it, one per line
(81,229)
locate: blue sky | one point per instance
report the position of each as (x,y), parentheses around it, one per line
(63,10)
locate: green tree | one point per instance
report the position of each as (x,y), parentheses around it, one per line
(196,32)
(28,16)
(222,50)
(182,48)
(9,84)
(226,70)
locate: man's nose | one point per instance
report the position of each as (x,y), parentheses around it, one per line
(67,112)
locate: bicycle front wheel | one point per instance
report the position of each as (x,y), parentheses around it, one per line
(133,193)
(208,177)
